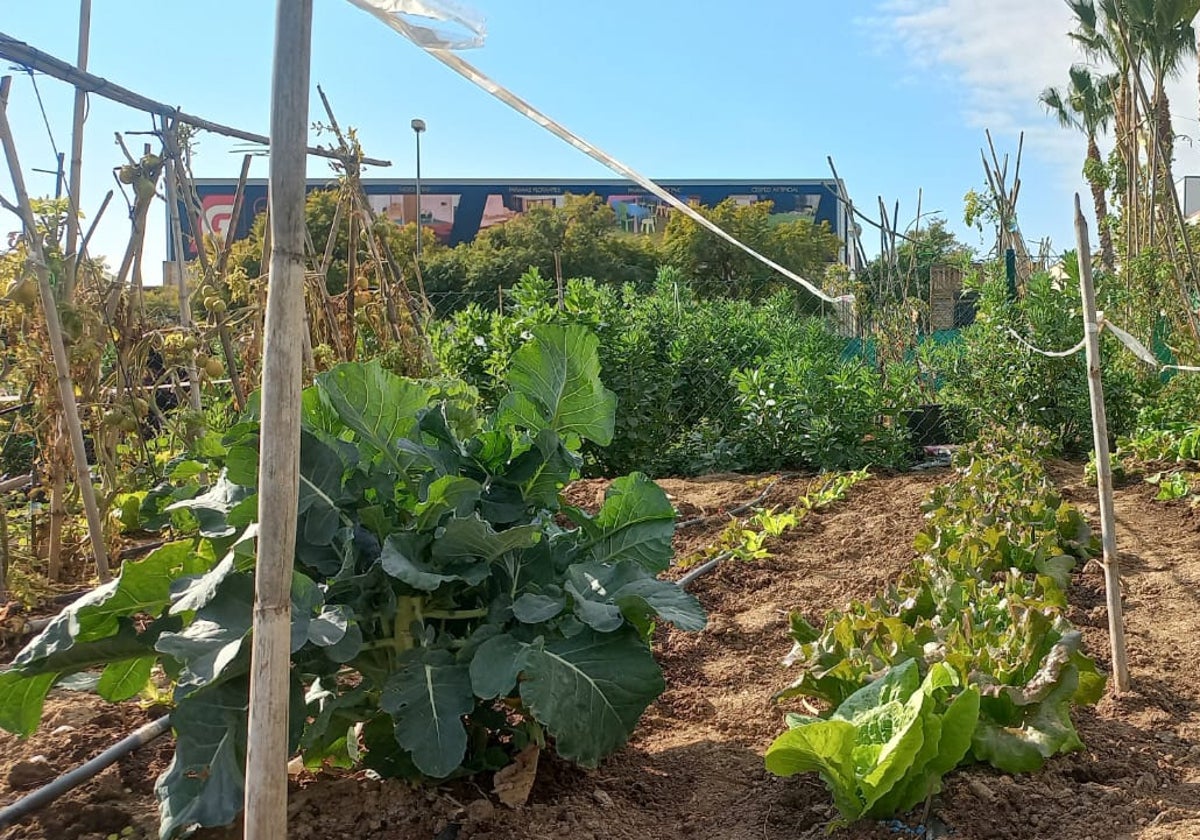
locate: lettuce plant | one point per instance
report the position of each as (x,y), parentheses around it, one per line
(887,746)
(980,611)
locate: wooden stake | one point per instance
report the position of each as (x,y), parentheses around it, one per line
(231,365)
(74,183)
(185,306)
(279,457)
(58,349)
(23,54)
(352,286)
(558,281)
(1112,569)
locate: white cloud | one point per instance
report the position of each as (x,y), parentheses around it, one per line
(1002,55)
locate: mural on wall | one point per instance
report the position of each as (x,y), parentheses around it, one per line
(457,210)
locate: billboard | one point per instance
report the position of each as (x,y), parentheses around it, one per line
(456,210)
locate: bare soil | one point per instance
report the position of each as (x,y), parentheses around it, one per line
(694,767)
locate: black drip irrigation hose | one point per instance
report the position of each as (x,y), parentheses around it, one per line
(46,794)
(703,569)
(733,511)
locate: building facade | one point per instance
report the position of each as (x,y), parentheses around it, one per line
(457,210)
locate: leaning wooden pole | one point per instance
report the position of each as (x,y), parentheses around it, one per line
(1112,569)
(58,349)
(23,54)
(279,456)
(180,268)
(75,180)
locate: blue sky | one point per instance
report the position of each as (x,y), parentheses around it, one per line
(897,91)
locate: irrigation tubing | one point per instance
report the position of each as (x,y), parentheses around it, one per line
(702,569)
(48,793)
(733,511)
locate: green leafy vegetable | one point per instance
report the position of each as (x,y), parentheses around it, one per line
(445,613)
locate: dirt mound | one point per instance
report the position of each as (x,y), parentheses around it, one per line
(694,767)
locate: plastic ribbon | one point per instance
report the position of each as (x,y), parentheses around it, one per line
(1138,349)
(440,45)
(1053,354)
(1132,344)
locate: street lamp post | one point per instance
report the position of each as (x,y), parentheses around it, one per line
(418,126)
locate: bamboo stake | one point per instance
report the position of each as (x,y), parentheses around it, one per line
(74,183)
(21,53)
(352,287)
(231,366)
(66,388)
(4,548)
(1112,570)
(217,273)
(185,306)
(87,237)
(279,458)
(58,513)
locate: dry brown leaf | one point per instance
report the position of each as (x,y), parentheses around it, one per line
(514,783)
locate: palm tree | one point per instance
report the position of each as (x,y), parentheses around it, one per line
(1087,106)
(1162,35)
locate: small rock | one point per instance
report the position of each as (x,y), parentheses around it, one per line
(981,790)
(603,799)
(63,730)
(30,773)
(481,810)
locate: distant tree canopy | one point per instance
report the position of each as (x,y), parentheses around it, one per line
(716,267)
(916,255)
(583,232)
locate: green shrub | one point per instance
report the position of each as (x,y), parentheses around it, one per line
(989,377)
(701,384)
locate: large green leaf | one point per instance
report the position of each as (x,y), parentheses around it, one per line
(213,640)
(887,746)
(123,679)
(1044,730)
(322,495)
(635,523)
(467,546)
(536,607)
(205,782)
(22,699)
(427,698)
(947,741)
(606,595)
(241,461)
(888,740)
(554,383)
(447,494)
(126,643)
(464,549)
(403,558)
(378,405)
(496,665)
(825,747)
(212,507)
(143,586)
(590,690)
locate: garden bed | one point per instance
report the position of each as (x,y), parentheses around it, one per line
(694,767)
